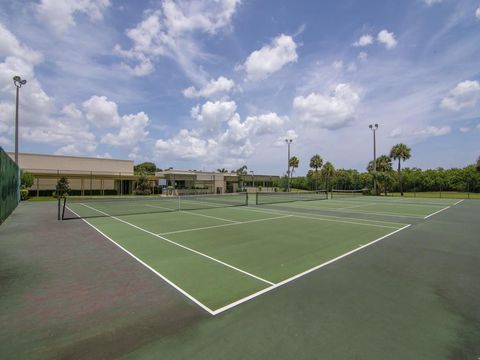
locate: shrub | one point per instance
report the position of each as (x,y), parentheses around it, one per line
(142,192)
(24,193)
(143,186)
(63,188)
(26,179)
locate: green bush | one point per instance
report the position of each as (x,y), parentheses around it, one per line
(26,179)
(24,193)
(62,188)
(142,192)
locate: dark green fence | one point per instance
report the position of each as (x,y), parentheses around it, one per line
(9,185)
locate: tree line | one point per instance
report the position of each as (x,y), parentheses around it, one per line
(323,175)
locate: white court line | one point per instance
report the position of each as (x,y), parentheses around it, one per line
(224,225)
(354,211)
(247,298)
(209,216)
(175,286)
(354,206)
(436,212)
(394,203)
(391,202)
(458,202)
(252,296)
(182,246)
(192,213)
(319,208)
(324,217)
(158,207)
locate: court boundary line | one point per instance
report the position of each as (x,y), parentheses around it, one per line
(393,202)
(436,212)
(163,277)
(209,216)
(326,218)
(224,225)
(306,272)
(242,300)
(183,246)
(248,208)
(318,216)
(458,202)
(189,212)
(357,212)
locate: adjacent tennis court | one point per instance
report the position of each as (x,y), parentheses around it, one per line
(219,252)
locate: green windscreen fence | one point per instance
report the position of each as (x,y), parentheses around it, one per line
(9,184)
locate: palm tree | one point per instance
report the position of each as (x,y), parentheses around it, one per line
(328,172)
(384,164)
(384,167)
(222,170)
(316,163)
(293,163)
(400,152)
(242,170)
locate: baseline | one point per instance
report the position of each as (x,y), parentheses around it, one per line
(283,282)
(184,247)
(436,212)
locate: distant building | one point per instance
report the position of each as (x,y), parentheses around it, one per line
(98,176)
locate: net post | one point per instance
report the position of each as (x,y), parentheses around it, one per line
(58,208)
(64,205)
(256,199)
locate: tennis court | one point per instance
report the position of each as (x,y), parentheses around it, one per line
(219,252)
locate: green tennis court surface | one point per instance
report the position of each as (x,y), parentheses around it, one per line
(220,253)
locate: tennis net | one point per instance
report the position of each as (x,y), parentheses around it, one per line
(81,207)
(341,194)
(284,197)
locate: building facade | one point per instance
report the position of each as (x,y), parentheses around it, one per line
(98,176)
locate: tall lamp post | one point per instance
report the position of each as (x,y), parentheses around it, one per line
(374,128)
(288,141)
(17,80)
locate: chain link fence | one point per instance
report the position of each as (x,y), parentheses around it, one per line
(9,185)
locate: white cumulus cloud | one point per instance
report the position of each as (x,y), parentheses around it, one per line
(132,131)
(465,95)
(271,58)
(328,111)
(222,137)
(186,145)
(211,115)
(362,56)
(387,38)
(364,40)
(170,31)
(433,131)
(214,88)
(10,46)
(60,14)
(432,2)
(101,112)
(477,13)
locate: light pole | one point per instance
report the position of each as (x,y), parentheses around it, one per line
(18,82)
(374,129)
(288,141)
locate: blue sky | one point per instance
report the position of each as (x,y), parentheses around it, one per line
(209,84)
